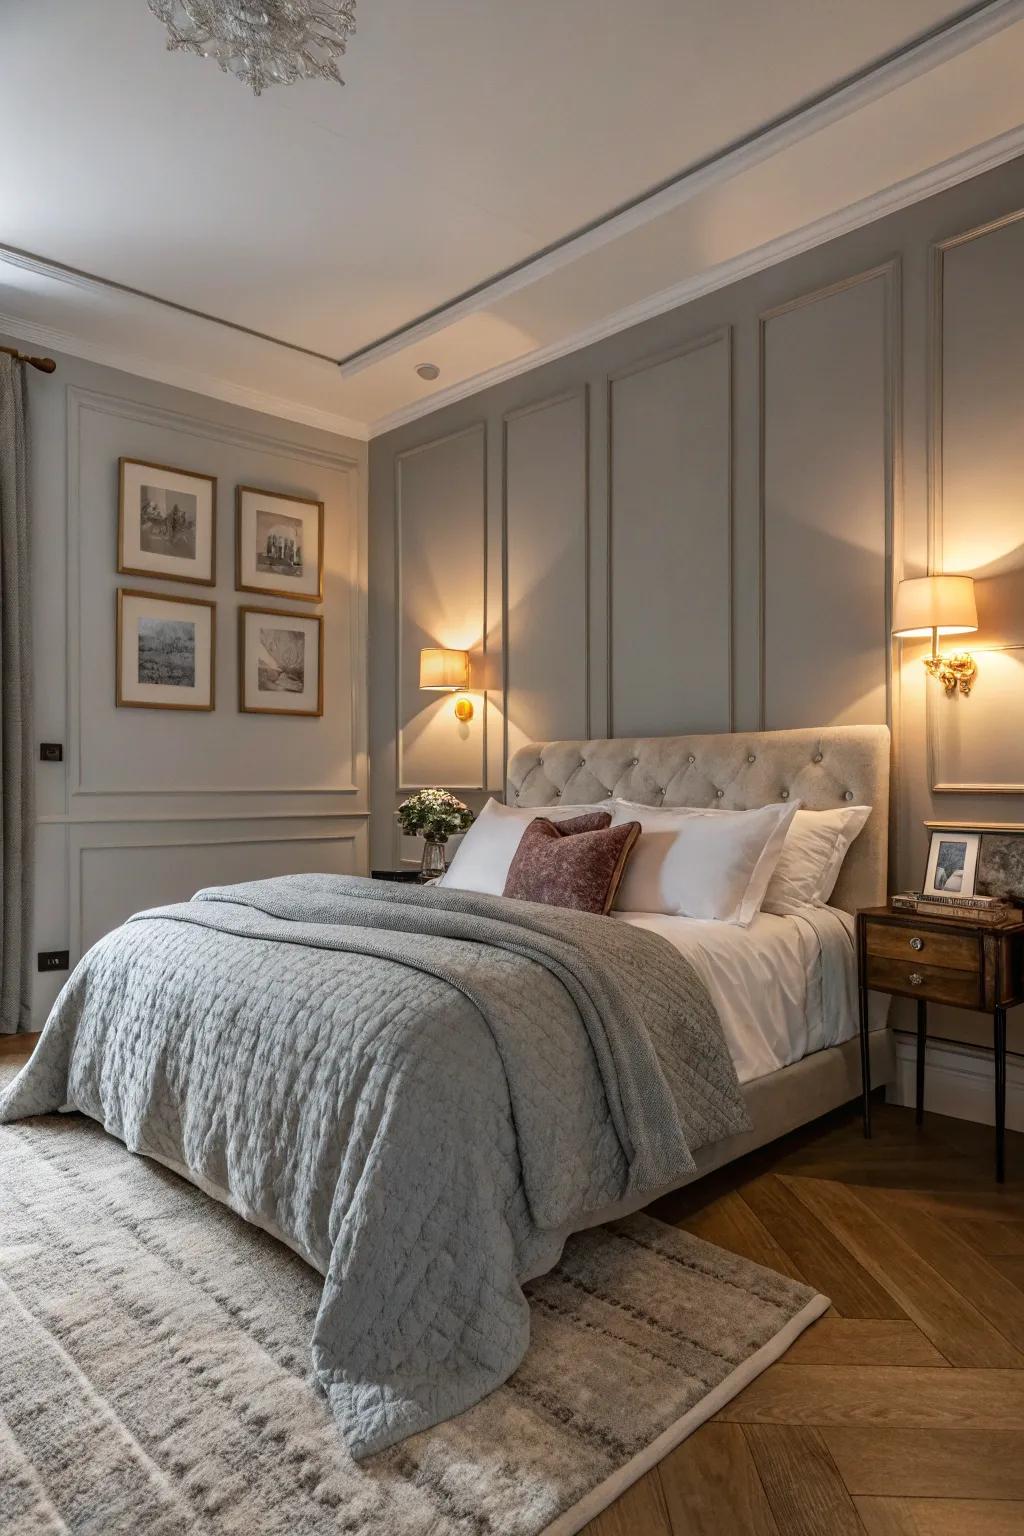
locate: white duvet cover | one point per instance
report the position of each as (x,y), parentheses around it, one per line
(783,987)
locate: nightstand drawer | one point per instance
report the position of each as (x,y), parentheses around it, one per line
(952,951)
(936,983)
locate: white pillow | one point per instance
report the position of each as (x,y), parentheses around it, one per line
(812,857)
(483,857)
(691,862)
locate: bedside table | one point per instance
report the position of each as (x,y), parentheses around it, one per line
(939,960)
(406,876)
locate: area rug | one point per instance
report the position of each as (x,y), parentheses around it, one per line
(155,1377)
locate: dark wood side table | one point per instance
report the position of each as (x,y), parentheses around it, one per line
(405,876)
(935,960)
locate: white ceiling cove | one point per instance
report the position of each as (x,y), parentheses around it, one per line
(495,183)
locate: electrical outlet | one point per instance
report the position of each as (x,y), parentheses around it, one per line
(51,752)
(54,960)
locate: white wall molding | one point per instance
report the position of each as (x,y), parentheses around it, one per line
(151,819)
(950,173)
(890,274)
(872,83)
(194,380)
(579,395)
(140,838)
(402,784)
(959,1081)
(868,210)
(720,336)
(935,715)
(198,426)
(80,402)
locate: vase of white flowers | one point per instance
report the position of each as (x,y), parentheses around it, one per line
(434,815)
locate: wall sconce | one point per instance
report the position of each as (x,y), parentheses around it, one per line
(939,605)
(444,671)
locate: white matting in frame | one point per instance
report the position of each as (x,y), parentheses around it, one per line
(280,662)
(279,544)
(166,522)
(165,651)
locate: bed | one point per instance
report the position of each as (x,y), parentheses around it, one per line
(424,1091)
(825,767)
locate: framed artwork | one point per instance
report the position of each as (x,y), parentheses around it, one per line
(280,662)
(279,544)
(166,522)
(952,864)
(165,651)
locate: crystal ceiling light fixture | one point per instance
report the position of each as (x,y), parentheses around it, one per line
(262,42)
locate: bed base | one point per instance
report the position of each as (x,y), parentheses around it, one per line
(779,1103)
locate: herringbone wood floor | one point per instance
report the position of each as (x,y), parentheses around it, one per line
(900,1413)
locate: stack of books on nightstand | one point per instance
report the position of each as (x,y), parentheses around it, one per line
(994,911)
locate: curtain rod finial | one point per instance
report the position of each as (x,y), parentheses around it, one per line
(44,364)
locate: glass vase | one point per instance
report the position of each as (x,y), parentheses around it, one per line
(433,861)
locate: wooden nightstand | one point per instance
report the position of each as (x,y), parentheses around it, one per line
(405,876)
(934,960)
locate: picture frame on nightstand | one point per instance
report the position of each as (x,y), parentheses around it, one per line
(952,867)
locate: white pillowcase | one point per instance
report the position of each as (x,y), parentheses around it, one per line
(487,849)
(812,857)
(692,862)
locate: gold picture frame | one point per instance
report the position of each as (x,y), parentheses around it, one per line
(141,534)
(175,655)
(279,676)
(289,519)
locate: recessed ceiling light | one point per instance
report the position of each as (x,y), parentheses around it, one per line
(428,370)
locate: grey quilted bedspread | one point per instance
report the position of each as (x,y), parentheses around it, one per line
(419,1090)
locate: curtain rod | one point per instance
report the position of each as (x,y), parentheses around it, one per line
(44,364)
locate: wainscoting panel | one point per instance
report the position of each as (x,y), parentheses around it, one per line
(977,504)
(670,541)
(546,549)
(149,805)
(971,751)
(980,518)
(120,869)
(153,761)
(829,385)
(440,546)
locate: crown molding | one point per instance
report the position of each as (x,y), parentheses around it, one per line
(950,173)
(936,47)
(903,194)
(160,372)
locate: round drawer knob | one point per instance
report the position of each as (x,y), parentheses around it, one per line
(917,943)
(916,979)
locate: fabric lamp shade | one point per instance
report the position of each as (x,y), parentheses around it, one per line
(935,604)
(443,669)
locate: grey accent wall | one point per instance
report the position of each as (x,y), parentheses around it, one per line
(440,554)
(150,805)
(670,525)
(829,365)
(698,522)
(546,586)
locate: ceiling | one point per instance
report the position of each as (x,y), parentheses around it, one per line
(470,147)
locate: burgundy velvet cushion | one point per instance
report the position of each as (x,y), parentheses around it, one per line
(576,863)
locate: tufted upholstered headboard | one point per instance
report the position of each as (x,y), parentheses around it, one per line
(835,765)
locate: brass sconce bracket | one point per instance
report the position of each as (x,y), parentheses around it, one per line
(463,708)
(953,672)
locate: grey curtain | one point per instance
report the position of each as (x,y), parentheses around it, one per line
(16,783)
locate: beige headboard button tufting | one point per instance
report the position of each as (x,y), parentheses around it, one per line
(735,771)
